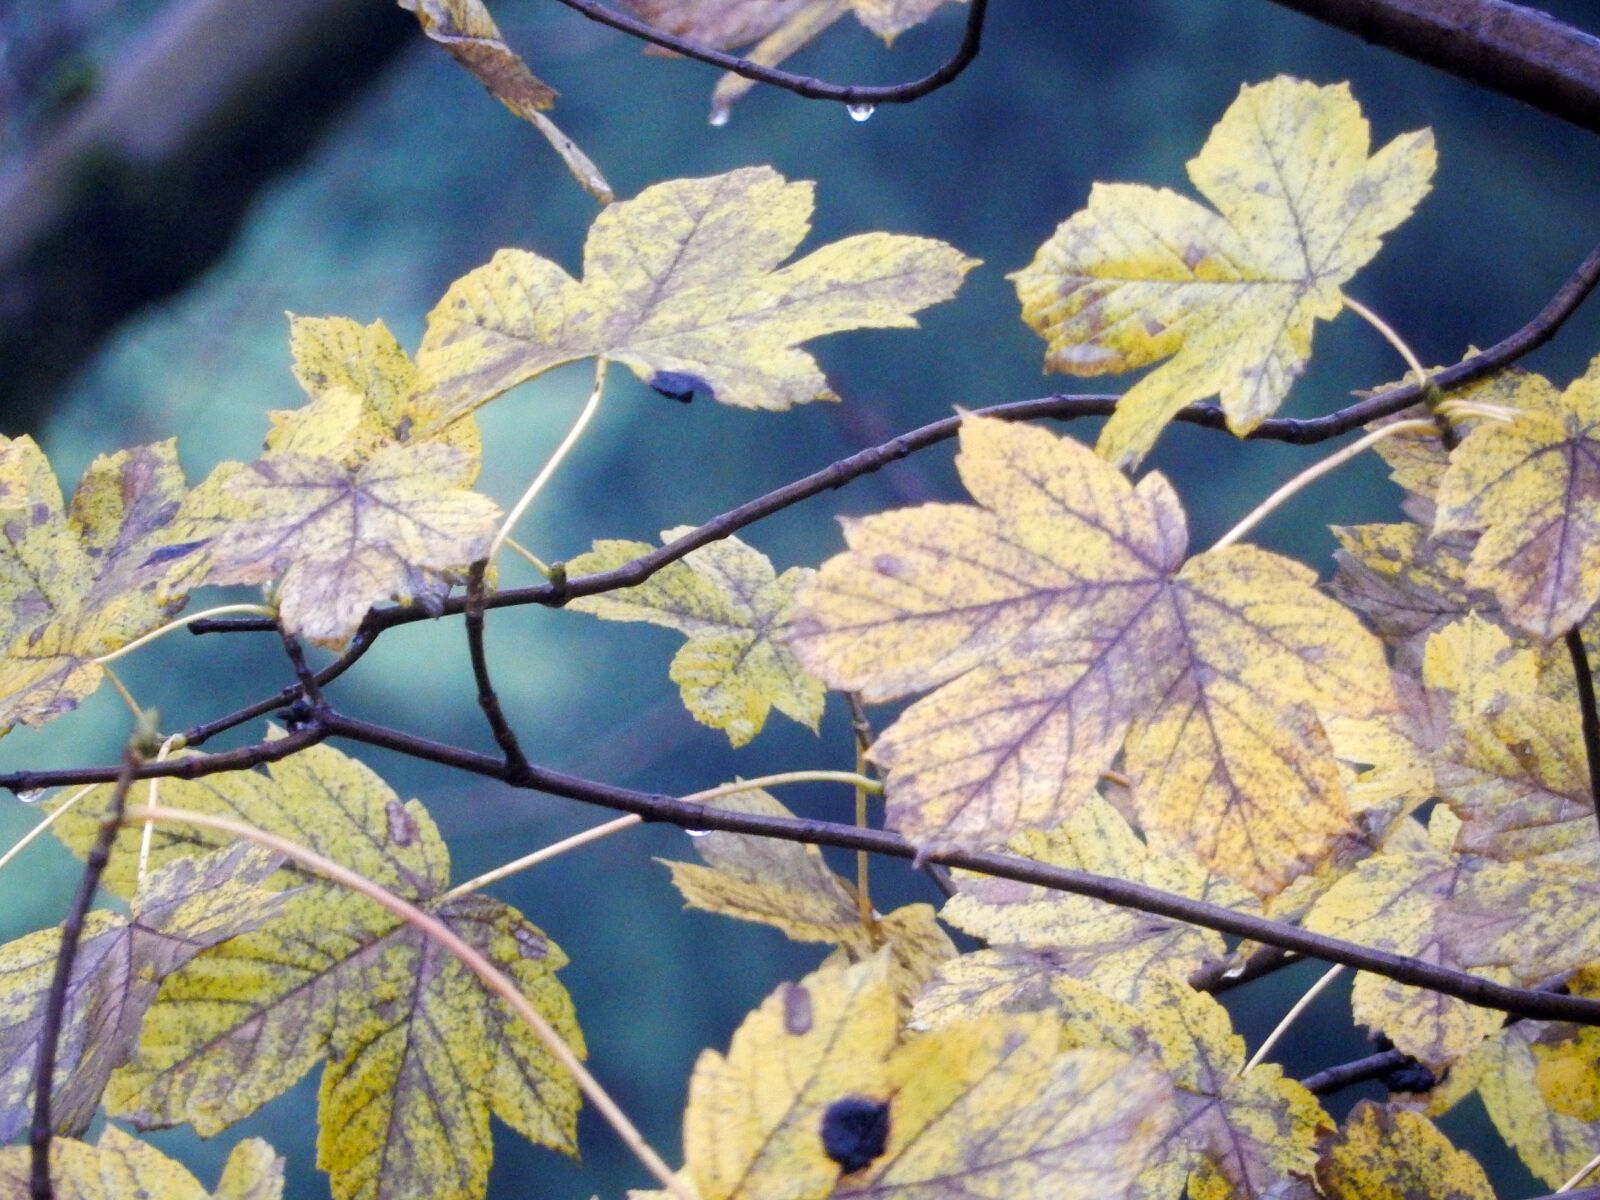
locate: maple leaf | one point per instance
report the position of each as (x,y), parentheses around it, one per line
(119,1167)
(338,539)
(1511,764)
(78,584)
(1231,296)
(1508,921)
(729,602)
(1059,616)
(1552,1144)
(418,1053)
(182,909)
(788,885)
(1240,1135)
(1035,934)
(365,394)
(779,27)
(1532,485)
(683,284)
(1390,1152)
(986,1108)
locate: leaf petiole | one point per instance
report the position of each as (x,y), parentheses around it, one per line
(1317,470)
(1390,336)
(1290,1017)
(258,610)
(441,934)
(545,472)
(50,819)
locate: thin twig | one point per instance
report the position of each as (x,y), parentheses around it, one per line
(1222,976)
(1295,431)
(488,699)
(55,1005)
(1374,1066)
(241,759)
(1474,989)
(441,934)
(1590,712)
(206,730)
(309,687)
(802,85)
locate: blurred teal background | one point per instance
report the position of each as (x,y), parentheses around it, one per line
(426,176)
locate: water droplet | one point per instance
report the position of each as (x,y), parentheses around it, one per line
(860,112)
(719,117)
(31,795)
(698,832)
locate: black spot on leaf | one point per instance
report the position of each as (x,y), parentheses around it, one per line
(855,1131)
(681,386)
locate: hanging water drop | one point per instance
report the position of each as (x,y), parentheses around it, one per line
(698,832)
(719,117)
(860,112)
(30,795)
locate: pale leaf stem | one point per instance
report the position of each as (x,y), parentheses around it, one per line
(152,801)
(257,610)
(1390,336)
(441,934)
(590,406)
(543,854)
(1583,1173)
(1317,470)
(49,819)
(1290,1017)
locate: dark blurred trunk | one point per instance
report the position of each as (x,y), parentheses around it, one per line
(142,186)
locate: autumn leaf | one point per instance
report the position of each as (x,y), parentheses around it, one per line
(418,1053)
(1382,1153)
(788,885)
(1240,1135)
(1144,274)
(1060,618)
(1508,921)
(365,395)
(337,539)
(78,584)
(683,285)
(777,27)
(1532,485)
(119,1167)
(1551,1143)
(729,602)
(1034,935)
(1511,764)
(182,909)
(987,1108)
(1406,581)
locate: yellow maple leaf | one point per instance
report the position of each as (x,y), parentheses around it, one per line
(683,284)
(1509,921)
(1060,617)
(119,1167)
(1034,934)
(1511,763)
(179,910)
(1231,296)
(788,885)
(1239,1133)
(337,539)
(729,602)
(1532,485)
(365,394)
(78,584)
(1552,1144)
(418,1054)
(1382,1153)
(815,1099)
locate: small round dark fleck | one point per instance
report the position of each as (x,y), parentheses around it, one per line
(855,1131)
(1410,1077)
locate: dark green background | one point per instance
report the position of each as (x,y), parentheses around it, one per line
(426,177)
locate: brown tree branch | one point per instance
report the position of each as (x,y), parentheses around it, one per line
(802,85)
(1506,48)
